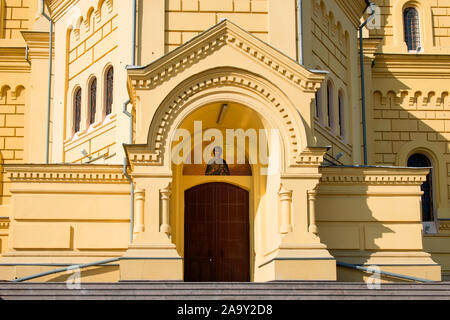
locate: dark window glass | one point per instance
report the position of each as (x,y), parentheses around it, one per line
(341,115)
(77,110)
(92,101)
(317,104)
(412,28)
(109,90)
(330,105)
(421,161)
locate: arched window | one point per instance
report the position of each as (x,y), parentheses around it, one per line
(419,160)
(341,115)
(92,101)
(109,90)
(330,104)
(319,104)
(77,111)
(412,28)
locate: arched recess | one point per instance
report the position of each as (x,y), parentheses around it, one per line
(439,166)
(425,19)
(234,85)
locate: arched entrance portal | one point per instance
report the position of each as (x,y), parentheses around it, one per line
(217,234)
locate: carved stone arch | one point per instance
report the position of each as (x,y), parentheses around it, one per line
(87,22)
(4,91)
(109,6)
(18,94)
(234,85)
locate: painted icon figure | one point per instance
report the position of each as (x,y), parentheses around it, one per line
(217,166)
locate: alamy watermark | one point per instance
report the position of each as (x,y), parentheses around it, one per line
(228,146)
(374,281)
(73,282)
(375,19)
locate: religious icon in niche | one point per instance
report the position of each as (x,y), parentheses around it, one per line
(217,166)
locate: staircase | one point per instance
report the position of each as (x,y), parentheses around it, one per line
(223,291)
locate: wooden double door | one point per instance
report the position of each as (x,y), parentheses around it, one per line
(217,234)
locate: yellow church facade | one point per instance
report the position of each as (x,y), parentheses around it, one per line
(225,140)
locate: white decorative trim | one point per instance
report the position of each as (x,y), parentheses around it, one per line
(65,174)
(224,33)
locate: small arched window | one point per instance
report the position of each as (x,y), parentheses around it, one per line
(341,115)
(319,104)
(419,160)
(109,90)
(77,111)
(330,105)
(92,101)
(412,28)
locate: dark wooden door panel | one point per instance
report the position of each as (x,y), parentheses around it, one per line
(217,233)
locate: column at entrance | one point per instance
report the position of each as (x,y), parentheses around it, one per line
(298,253)
(152,255)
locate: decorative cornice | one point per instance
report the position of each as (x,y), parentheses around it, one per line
(373,175)
(222,34)
(59,7)
(444,226)
(415,66)
(65,173)
(311,157)
(38,44)
(353,9)
(4,223)
(13,59)
(371,46)
(142,156)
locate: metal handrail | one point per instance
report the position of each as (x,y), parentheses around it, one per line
(100,263)
(385,273)
(81,266)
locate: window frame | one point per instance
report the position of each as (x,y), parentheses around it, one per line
(77,102)
(109,91)
(341,114)
(330,105)
(409,33)
(432,223)
(92,101)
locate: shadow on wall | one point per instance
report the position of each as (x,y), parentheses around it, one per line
(408,122)
(349,227)
(108,273)
(405,123)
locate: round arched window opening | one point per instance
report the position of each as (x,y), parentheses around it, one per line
(412,28)
(419,160)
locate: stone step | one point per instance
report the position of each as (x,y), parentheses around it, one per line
(224,286)
(222,291)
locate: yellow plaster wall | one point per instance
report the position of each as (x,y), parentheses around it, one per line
(434,19)
(187,18)
(385,229)
(330,51)
(409,105)
(4,232)
(12,104)
(16,17)
(91,49)
(80,214)
(438,245)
